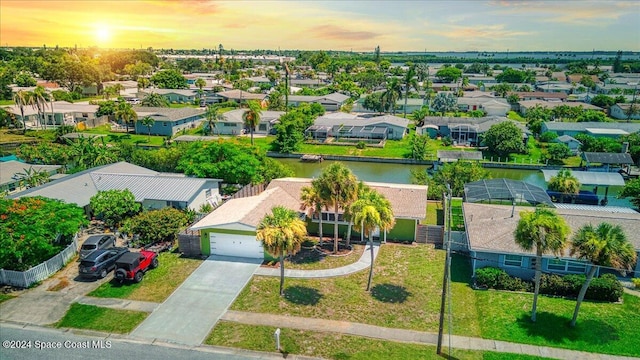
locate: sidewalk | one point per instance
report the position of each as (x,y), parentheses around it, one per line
(411,336)
(363,263)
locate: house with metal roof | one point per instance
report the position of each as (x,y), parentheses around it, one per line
(233,123)
(595,129)
(230,229)
(59,113)
(570,141)
(180,96)
(168,121)
(152,189)
(348,126)
(330,102)
(490,237)
(625,111)
(236,95)
(13,174)
(464,131)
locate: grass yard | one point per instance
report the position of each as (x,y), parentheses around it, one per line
(5,297)
(93,317)
(406,283)
(157,284)
(335,346)
(434,213)
(314,260)
(118,137)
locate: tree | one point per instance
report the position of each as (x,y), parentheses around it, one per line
(32,177)
(391,95)
(251,117)
(200,83)
(20,98)
(504,138)
(557,152)
(370,212)
(513,99)
(25,80)
(456,174)
(338,188)
(419,146)
(281,232)
(444,102)
(213,115)
(169,79)
(449,74)
(124,112)
(502,89)
(410,82)
(511,75)
(632,190)
(313,202)
(113,206)
(564,182)
(592,116)
(148,121)
(38,100)
(603,101)
(373,102)
(606,245)
(545,231)
(156,225)
(154,100)
(419,115)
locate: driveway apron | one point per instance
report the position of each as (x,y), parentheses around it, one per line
(189,314)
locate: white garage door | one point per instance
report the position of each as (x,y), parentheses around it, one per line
(236,245)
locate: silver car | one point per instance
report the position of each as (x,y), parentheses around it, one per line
(96,242)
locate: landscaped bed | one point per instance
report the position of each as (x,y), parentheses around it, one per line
(406,294)
(157,284)
(93,317)
(313,259)
(336,346)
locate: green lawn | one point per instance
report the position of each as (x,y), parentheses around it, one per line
(434,213)
(5,297)
(115,137)
(310,259)
(93,317)
(157,284)
(336,346)
(515,116)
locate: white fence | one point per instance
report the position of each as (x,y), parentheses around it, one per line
(24,279)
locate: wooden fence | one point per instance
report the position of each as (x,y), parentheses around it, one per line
(25,279)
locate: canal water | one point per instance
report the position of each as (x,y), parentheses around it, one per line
(401,174)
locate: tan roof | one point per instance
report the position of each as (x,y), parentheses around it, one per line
(249,210)
(491,227)
(553,104)
(408,201)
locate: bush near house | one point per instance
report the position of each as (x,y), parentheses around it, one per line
(604,288)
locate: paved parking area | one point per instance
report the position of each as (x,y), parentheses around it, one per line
(189,314)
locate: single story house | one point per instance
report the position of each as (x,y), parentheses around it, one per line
(238,96)
(152,189)
(570,141)
(413,104)
(622,111)
(180,96)
(233,124)
(59,113)
(528,104)
(490,237)
(168,121)
(595,129)
(309,83)
(463,131)
(617,87)
(331,102)
(539,95)
(340,125)
(129,87)
(492,106)
(230,230)
(555,87)
(13,173)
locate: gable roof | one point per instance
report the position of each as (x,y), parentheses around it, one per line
(168,114)
(607,158)
(351,120)
(566,139)
(235,116)
(241,95)
(454,155)
(183,92)
(9,170)
(582,126)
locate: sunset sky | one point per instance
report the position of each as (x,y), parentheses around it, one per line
(455,25)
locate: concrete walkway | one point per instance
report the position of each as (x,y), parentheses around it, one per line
(120,304)
(189,314)
(411,336)
(363,263)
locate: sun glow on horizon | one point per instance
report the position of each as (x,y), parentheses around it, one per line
(103,34)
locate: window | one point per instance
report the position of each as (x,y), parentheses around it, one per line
(566,266)
(513,260)
(165,124)
(228,124)
(262,127)
(207,193)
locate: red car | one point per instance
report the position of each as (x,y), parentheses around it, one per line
(133,265)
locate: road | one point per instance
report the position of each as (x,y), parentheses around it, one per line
(104,347)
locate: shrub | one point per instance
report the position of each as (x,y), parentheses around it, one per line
(636,282)
(605,288)
(553,285)
(488,276)
(548,136)
(361,145)
(447,141)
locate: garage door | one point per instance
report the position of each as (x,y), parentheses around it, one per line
(235,245)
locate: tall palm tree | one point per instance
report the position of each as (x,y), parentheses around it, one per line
(148,121)
(391,95)
(125,112)
(410,82)
(338,187)
(545,231)
(38,99)
(419,115)
(606,245)
(370,212)
(200,83)
(155,100)
(251,117)
(565,183)
(314,203)
(21,99)
(281,232)
(213,115)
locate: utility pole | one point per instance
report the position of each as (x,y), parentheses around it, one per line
(447,263)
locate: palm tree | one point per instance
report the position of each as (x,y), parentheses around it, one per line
(338,188)
(155,100)
(606,245)
(20,98)
(410,82)
(148,121)
(311,200)
(545,231)
(32,177)
(391,95)
(564,182)
(38,99)
(419,115)
(281,232)
(251,117)
(213,115)
(200,83)
(370,212)
(125,112)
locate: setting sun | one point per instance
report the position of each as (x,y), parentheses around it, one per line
(103,34)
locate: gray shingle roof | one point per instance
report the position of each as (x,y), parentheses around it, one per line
(582,126)
(170,114)
(607,158)
(349,120)
(235,116)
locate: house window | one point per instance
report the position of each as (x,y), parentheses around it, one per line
(262,127)
(84,115)
(566,266)
(229,124)
(207,193)
(164,124)
(513,260)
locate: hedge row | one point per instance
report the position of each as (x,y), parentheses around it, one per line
(604,288)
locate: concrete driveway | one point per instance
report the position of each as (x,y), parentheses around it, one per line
(189,314)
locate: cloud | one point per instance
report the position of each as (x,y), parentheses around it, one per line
(496,32)
(333,32)
(592,13)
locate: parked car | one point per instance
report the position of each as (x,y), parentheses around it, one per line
(100,262)
(96,242)
(133,265)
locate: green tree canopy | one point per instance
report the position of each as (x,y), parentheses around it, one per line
(449,74)
(564,182)
(156,225)
(113,206)
(456,174)
(632,190)
(169,79)
(504,138)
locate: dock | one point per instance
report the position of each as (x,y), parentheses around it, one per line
(311,158)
